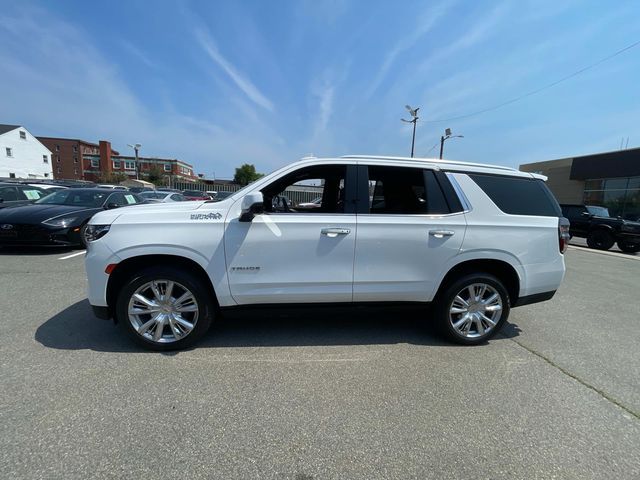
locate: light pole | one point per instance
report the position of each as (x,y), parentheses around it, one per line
(447,135)
(414,115)
(136,147)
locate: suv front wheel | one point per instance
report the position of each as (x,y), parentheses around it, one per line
(473,308)
(163,308)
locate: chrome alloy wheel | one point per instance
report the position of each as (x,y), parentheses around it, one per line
(163,311)
(475,310)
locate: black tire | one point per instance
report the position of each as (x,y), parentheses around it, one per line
(629,247)
(600,240)
(83,240)
(203,299)
(446,298)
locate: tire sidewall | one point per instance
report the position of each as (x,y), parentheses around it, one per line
(629,247)
(206,306)
(446,298)
(600,240)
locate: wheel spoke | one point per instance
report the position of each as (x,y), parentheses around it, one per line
(493,308)
(472,293)
(157,334)
(168,290)
(144,300)
(478,321)
(481,291)
(156,291)
(488,320)
(144,328)
(492,299)
(184,323)
(461,322)
(461,301)
(142,311)
(175,329)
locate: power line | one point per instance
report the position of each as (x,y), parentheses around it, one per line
(538,90)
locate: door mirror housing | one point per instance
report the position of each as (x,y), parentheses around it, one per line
(587,214)
(111,205)
(252,205)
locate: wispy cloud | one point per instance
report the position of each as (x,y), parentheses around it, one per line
(137,53)
(424,25)
(243,83)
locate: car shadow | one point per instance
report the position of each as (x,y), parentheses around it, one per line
(36,251)
(76,328)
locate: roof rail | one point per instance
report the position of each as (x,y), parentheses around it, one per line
(433,160)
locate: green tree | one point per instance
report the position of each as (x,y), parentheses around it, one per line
(155,174)
(112,178)
(246,174)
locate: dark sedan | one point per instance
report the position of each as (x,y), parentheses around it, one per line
(18,194)
(58,218)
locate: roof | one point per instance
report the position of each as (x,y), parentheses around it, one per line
(7,128)
(79,140)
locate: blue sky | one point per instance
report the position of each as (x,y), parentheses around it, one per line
(222,83)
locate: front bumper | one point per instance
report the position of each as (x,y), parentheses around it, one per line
(39,235)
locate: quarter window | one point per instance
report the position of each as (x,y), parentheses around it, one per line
(518,196)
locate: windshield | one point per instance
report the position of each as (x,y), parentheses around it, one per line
(79,198)
(598,211)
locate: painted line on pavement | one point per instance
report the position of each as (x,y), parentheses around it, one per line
(73,255)
(629,256)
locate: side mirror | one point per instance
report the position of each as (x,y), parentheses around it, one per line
(252,205)
(112,205)
(586,214)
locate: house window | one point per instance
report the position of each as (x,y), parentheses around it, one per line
(129,165)
(46,175)
(9,152)
(75,149)
(116,164)
(23,135)
(75,159)
(167,167)
(12,175)
(75,171)
(95,163)
(57,148)
(45,158)
(59,170)
(58,158)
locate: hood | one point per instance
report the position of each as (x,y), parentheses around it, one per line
(159,212)
(37,213)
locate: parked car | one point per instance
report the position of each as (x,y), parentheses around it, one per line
(219,196)
(47,187)
(59,218)
(601,229)
(315,203)
(474,240)
(12,194)
(195,195)
(112,187)
(162,197)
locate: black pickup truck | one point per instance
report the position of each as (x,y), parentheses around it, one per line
(600,229)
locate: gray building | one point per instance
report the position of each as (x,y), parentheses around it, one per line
(610,179)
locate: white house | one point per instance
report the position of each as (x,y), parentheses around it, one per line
(22,155)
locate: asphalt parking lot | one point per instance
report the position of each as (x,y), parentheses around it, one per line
(354,395)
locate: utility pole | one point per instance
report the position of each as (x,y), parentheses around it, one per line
(414,115)
(447,135)
(136,147)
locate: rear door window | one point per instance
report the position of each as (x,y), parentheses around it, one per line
(518,196)
(8,194)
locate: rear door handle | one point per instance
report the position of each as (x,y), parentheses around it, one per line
(441,233)
(335,231)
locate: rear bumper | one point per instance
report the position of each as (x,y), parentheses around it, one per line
(535,298)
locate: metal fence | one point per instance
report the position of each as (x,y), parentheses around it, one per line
(297,194)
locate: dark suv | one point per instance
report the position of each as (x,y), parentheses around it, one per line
(600,229)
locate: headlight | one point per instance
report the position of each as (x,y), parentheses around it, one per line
(94,232)
(60,221)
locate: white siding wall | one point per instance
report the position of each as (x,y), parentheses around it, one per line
(26,160)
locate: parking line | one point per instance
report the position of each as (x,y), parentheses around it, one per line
(72,255)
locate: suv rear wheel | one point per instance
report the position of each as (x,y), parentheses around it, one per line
(628,247)
(163,308)
(472,309)
(600,240)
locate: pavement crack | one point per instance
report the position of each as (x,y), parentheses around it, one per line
(600,392)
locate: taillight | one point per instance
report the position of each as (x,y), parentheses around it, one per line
(563,234)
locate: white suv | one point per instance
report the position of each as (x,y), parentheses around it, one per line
(474,240)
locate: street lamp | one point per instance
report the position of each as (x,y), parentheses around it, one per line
(447,135)
(414,115)
(136,147)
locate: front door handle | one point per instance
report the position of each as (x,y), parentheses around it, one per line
(441,233)
(335,231)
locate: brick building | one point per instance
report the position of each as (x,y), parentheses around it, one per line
(80,160)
